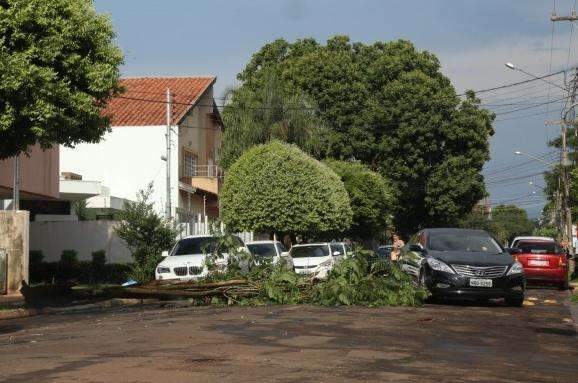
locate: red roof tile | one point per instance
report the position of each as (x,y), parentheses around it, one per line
(143,102)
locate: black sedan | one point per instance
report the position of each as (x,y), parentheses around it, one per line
(463,263)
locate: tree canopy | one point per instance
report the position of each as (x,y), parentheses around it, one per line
(58,68)
(371,198)
(506,222)
(389,106)
(276,187)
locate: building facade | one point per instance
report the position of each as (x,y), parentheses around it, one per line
(132,155)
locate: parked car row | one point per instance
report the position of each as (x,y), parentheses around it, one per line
(460,263)
(187,260)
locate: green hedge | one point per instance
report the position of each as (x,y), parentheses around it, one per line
(276,187)
(69,269)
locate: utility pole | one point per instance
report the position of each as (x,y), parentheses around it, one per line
(565,162)
(566,211)
(168,155)
(16,183)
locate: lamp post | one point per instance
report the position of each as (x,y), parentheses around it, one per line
(513,67)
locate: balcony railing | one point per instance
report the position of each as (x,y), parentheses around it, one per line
(208,171)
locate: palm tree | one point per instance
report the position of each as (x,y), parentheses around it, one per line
(256,117)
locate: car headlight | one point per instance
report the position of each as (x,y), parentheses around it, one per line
(325,263)
(163,270)
(516,268)
(438,265)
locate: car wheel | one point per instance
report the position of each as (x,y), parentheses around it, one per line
(516,302)
(565,285)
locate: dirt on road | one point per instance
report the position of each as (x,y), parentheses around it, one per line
(433,343)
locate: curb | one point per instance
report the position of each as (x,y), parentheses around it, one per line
(115,302)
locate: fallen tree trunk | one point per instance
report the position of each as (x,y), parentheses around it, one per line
(172,293)
(193,285)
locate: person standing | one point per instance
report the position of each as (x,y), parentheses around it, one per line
(397,245)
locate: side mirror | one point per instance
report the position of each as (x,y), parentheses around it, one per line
(285,254)
(514,250)
(336,253)
(165,254)
(241,249)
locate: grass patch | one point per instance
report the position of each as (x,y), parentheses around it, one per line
(574,298)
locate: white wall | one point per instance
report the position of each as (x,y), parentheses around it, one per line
(127,160)
(82,236)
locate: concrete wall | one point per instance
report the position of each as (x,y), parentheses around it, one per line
(14,240)
(127,160)
(39,175)
(83,236)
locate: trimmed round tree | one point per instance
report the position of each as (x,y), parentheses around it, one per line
(276,187)
(371,197)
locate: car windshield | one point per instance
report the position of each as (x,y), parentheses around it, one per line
(262,250)
(456,241)
(200,245)
(309,251)
(539,247)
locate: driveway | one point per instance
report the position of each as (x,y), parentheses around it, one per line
(434,343)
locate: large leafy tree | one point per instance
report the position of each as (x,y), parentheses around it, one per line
(58,67)
(277,188)
(389,106)
(371,198)
(512,220)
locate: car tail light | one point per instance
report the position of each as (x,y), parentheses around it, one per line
(562,261)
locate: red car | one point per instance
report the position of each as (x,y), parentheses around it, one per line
(544,262)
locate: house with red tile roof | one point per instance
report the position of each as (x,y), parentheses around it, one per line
(133,154)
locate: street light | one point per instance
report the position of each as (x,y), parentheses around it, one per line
(520,153)
(511,66)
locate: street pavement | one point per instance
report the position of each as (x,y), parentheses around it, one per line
(448,342)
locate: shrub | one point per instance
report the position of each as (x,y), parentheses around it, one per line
(69,257)
(35,257)
(276,187)
(146,234)
(371,198)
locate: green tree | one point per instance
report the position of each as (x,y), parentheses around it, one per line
(389,106)
(371,198)
(276,188)
(58,68)
(512,220)
(146,234)
(258,116)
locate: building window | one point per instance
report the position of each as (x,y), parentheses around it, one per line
(190,165)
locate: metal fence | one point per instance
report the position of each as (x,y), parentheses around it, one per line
(189,223)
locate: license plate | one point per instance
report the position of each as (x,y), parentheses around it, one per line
(481,282)
(538,263)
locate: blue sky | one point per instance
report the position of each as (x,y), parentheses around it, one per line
(472,38)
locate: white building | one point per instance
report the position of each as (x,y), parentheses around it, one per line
(130,156)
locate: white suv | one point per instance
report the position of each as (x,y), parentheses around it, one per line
(317,258)
(274,250)
(186,261)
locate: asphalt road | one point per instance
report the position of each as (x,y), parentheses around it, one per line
(434,343)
